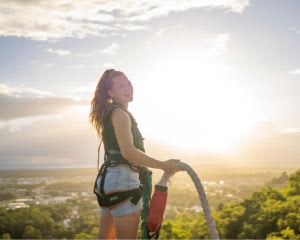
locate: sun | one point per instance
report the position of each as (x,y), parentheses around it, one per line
(195,104)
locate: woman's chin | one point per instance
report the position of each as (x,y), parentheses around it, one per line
(130,99)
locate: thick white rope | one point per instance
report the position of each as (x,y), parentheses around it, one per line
(202,196)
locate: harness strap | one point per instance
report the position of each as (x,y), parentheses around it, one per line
(112,199)
(114,157)
(99,154)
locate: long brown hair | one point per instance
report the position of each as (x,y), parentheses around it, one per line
(101,101)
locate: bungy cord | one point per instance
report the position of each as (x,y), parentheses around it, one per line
(202,196)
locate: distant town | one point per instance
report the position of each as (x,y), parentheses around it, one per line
(19,191)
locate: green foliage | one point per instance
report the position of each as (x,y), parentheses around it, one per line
(286,233)
(278,182)
(31,233)
(6,196)
(229,219)
(82,235)
(47,221)
(294,184)
(269,213)
(5,236)
(266,214)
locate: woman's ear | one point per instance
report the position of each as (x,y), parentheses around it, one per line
(110,94)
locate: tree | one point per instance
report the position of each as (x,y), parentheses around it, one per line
(294,184)
(7,196)
(82,235)
(31,233)
(6,236)
(229,220)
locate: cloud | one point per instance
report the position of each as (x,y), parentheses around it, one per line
(21,101)
(57,141)
(59,52)
(108,65)
(111,49)
(23,91)
(146,10)
(295,71)
(162,31)
(69,140)
(218,45)
(41,64)
(268,144)
(37,128)
(86,91)
(291,130)
(79,66)
(52,20)
(17,124)
(295,29)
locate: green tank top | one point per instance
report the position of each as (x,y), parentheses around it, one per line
(109,136)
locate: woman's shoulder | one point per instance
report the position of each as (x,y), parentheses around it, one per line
(119,109)
(119,114)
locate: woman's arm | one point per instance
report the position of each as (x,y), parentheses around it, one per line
(122,126)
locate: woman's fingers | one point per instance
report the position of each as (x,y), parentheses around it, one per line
(170,166)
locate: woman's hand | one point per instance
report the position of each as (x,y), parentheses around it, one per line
(170,168)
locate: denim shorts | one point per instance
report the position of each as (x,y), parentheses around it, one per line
(121,177)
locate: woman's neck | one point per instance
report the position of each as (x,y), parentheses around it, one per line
(125,105)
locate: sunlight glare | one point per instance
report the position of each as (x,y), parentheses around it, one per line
(198,103)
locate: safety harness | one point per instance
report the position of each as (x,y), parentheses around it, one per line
(109,200)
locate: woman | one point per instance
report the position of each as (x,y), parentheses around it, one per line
(119,131)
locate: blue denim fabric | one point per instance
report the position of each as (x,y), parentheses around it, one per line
(121,178)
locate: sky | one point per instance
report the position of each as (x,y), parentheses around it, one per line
(214,80)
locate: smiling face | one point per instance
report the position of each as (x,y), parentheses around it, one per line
(121,89)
